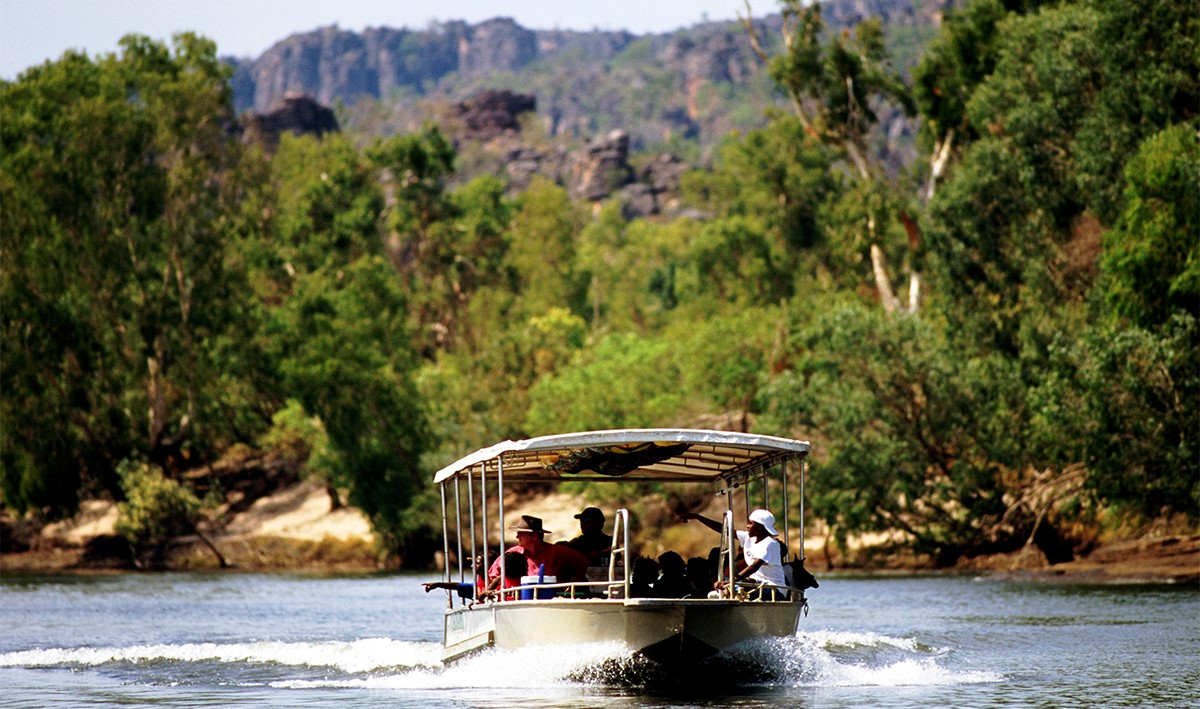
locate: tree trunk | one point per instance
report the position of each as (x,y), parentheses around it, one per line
(937,163)
(879,266)
(208,542)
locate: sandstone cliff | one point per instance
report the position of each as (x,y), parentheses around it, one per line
(698,82)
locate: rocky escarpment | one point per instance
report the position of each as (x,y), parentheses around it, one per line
(691,83)
(331,64)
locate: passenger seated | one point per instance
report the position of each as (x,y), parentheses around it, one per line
(700,575)
(559,560)
(593,542)
(761,552)
(672,581)
(641,581)
(515,566)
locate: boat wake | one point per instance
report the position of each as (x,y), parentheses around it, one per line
(813,659)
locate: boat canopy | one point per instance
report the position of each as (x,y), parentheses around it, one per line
(659,454)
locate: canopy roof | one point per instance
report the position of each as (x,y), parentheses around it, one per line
(660,454)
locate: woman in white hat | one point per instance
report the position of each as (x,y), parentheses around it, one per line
(760,549)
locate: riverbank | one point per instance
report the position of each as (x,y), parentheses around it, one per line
(298,529)
(294,528)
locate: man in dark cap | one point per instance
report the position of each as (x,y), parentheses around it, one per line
(593,542)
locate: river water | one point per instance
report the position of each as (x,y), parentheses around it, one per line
(195,640)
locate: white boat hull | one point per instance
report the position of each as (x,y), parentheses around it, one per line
(668,631)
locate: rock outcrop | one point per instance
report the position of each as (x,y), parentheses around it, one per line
(491,114)
(297,114)
(598,171)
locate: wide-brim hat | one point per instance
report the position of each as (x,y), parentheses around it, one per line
(591,513)
(766,519)
(529,523)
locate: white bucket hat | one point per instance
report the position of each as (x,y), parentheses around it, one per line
(766,519)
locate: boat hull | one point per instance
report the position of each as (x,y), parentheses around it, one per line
(667,631)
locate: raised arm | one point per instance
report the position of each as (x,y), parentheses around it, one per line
(710,523)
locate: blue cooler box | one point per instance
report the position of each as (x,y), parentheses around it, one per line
(527,593)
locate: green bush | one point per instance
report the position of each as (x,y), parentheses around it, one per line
(156,508)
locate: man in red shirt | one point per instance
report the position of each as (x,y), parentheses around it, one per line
(560,561)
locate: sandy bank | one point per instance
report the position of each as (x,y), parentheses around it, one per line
(297,528)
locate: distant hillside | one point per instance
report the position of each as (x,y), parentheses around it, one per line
(695,84)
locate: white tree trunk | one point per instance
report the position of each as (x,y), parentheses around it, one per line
(882,284)
(937,164)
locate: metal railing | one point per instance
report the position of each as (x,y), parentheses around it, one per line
(620,536)
(616,586)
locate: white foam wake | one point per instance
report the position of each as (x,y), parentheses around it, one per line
(834,640)
(532,667)
(904,673)
(813,659)
(356,656)
(857,659)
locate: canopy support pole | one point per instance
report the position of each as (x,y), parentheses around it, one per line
(445,545)
(787,539)
(500,512)
(803,470)
(471,509)
(487,564)
(458,525)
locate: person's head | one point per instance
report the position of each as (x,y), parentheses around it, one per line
(530,532)
(671,564)
(699,570)
(515,565)
(645,570)
(590,518)
(761,524)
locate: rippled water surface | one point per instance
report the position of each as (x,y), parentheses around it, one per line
(194,640)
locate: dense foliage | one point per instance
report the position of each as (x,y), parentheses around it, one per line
(168,293)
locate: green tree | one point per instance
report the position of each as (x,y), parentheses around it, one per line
(479,279)
(623,382)
(1124,401)
(343,351)
(124,314)
(1000,226)
(1151,260)
(1065,106)
(634,270)
(766,192)
(915,430)
(728,358)
(542,249)
(327,205)
(155,511)
(1150,63)
(438,256)
(833,86)
(955,63)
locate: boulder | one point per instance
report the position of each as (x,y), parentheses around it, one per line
(489,114)
(298,114)
(601,168)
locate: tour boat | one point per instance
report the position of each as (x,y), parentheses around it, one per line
(670,631)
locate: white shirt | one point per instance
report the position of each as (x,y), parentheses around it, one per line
(766,549)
